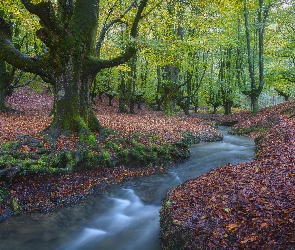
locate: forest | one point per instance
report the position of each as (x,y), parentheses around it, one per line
(93,93)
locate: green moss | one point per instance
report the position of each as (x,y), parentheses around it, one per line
(113,146)
(88,139)
(163,152)
(116,147)
(124,152)
(167,203)
(7,158)
(248,130)
(15,205)
(1,195)
(36,168)
(106,157)
(10,146)
(138,154)
(188,138)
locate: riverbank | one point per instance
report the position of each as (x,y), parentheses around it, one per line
(246,206)
(39,174)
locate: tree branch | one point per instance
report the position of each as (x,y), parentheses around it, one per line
(18,59)
(45,11)
(96,64)
(104,31)
(5,28)
(152,8)
(110,24)
(138,17)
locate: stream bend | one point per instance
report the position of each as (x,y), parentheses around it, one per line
(125,217)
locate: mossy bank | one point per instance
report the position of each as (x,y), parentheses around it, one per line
(85,165)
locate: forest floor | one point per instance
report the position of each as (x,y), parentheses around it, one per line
(246,206)
(29,183)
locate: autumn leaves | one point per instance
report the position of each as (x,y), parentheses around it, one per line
(247,206)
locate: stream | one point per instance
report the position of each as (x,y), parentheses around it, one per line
(125,217)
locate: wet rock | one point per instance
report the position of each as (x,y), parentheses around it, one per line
(7,212)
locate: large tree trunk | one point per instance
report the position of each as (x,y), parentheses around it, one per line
(254,103)
(6,78)
(123,94)
(72,107)
(72,58)
(256,88)
(2,99)
(227,107)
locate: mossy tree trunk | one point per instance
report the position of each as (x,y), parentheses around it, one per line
(6,78)
(254,103)
(72,60)
(171,88)
(132,84)
(227,107)
(6,71)
(72,106)
(256,83)
(226,80)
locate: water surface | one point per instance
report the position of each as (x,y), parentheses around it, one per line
(125,217)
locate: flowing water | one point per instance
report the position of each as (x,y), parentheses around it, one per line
(125,217)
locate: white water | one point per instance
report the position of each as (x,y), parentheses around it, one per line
(128,220)
(125,218)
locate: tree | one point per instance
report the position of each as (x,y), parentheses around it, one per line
(7,71)
(71,61)
(281,47)
(226,79)
(255,52)
(6,78)
(10,76)
(214,97)
(127,86)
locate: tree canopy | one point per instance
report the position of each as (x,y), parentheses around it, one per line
(188,53)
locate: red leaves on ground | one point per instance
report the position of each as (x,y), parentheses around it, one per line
(33,118)
(247,206)
(43,192)
(168,128)
(266,118)
(36,108)
(46,192)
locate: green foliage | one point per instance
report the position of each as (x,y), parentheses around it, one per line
(10,146)
(15,205)
(1,195)
(106,160)
(167,203)
(138,152)
(248,130)
(88,139)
